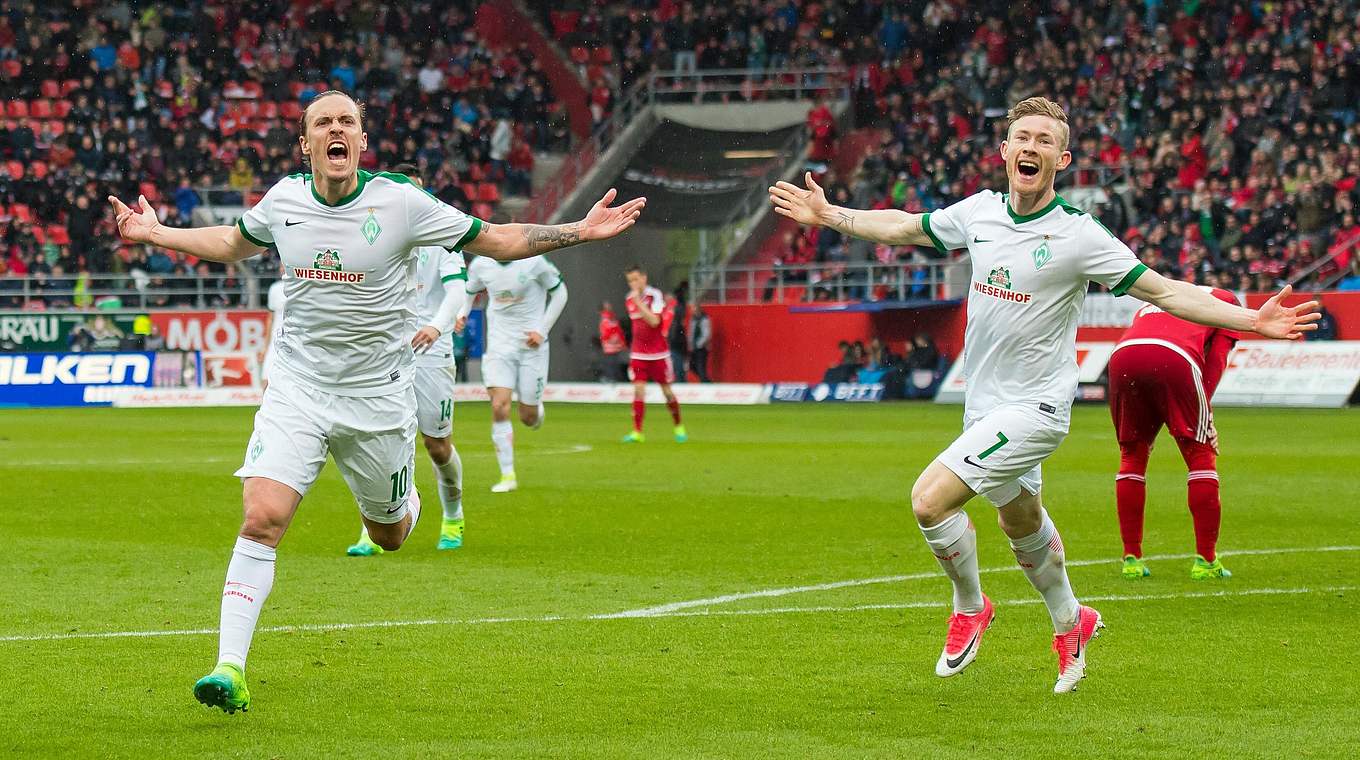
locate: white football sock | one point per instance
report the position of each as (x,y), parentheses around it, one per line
(412,509)
(954,544)
(503,438)
(250,576)
(1041,557)
(450,478)
(538,423)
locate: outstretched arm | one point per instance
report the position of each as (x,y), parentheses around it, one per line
(1181,299)
(506,242)
(809,206)
(223,244)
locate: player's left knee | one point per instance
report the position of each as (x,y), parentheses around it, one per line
(1199,456)
(528,414)
(390,542)
(439,449)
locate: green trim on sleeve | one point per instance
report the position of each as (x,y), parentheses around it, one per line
(1123,286)
(452,277)
(241,225)
(925,225)
(470,235)
(555,287)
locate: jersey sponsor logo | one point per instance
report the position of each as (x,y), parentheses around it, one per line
(998,285)
(370,228)
(328,267)
(1043,254)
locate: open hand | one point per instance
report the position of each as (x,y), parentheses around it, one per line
(135,226)
(1274,320)
(424,338)
(802,206)
(605,221)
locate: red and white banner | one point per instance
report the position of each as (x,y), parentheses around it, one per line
(182,397)
(213,331)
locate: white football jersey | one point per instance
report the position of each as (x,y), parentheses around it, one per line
(517,296)
(436,265)
(1030,276)
(349,276)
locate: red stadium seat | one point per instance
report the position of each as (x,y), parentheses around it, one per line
(488,192)
(602,55)
(69,86)
(39,169)
(594,71)
(50,89)
(470,190)
(150,190)
(58,234)
(269,109)
(248,109)
(253,90)
(291,110)
(39,234)
(564,22)
(580,55)
(61,108)
(58,127)
(12,68)
(483,210)
(296,88)
(16,109)
(40,109)
(15,171)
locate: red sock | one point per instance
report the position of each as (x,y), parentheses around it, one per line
(1202,486)
(1130,495)
(639,409)
(674,406)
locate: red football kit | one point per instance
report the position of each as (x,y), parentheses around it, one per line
(650,357)
(1164,372)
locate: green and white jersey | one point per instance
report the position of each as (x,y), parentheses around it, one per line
(1030,276)
(349,276)
(435,266)
(517,295)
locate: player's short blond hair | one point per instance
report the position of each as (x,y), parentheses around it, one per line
(1039,106)
(302,122)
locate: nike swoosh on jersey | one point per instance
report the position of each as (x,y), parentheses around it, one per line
(954,661)
(969,460)
(290,222)
(977,239)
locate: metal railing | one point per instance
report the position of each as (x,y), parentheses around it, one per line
(140,291)
(1316,266)
(803,283)
(677,87)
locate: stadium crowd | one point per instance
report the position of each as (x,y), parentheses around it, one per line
(125,98)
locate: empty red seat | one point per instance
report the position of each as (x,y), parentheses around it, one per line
(15,170)
(39,169)
(564,22)
(58,127)
(58,234)
(269,110)
(21,211)
(482,210)
(150,190)
(603,55)
(296,89)
(488,192)
(69,86)
(12,68)
(580,55)
(252,90)
(61,108)
(16,109)
(470,190)
(50,89)
(40,109)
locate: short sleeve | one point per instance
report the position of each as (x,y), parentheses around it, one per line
(947,227)
(475,284)
(433,222)
(451,265)
(254,223)
(1106,260)
(547,274)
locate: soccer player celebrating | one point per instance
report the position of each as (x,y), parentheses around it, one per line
(440,294)
(525,298)
(650,357)
(1032,257)
(342,380)
(1163,372)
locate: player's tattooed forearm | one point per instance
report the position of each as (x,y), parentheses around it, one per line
(847,221)
(542,239)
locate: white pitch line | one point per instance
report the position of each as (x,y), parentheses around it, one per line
(324,627)
(662,609)
(579,448)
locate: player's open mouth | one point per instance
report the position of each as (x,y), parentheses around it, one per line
(337,151)
(1027,168)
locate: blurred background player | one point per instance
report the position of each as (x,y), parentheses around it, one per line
(524,300)
(440,293)
(613,342)
(650,357)
(1163,372)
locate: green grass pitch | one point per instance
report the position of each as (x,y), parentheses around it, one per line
(121,522)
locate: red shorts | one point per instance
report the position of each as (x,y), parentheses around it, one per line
(651,371)
(1151,386)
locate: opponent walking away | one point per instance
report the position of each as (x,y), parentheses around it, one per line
(440,293)
(650,356)
(1032,257)
(1164,372)
(342,380)
(525,298)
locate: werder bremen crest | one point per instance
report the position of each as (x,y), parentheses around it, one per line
(328,259)
(371,228)
(1042,254)
(1000,277)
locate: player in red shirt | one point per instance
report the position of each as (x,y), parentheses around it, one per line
(650,358)
(1163,372)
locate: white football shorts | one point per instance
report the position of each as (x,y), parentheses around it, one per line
(1000,452)
(434,400)
(523,370)
(373,441)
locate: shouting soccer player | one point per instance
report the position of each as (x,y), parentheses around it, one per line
(650,358)
(342,381)
(1164,372)
(440,294)
(525,298)
(1032,256)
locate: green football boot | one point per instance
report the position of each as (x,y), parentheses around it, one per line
(225,687)
(634,437)
(364,547)
(1135,568)
(1204,571)
(450,535)
(680,435)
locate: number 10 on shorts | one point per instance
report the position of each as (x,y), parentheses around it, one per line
(400,482)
